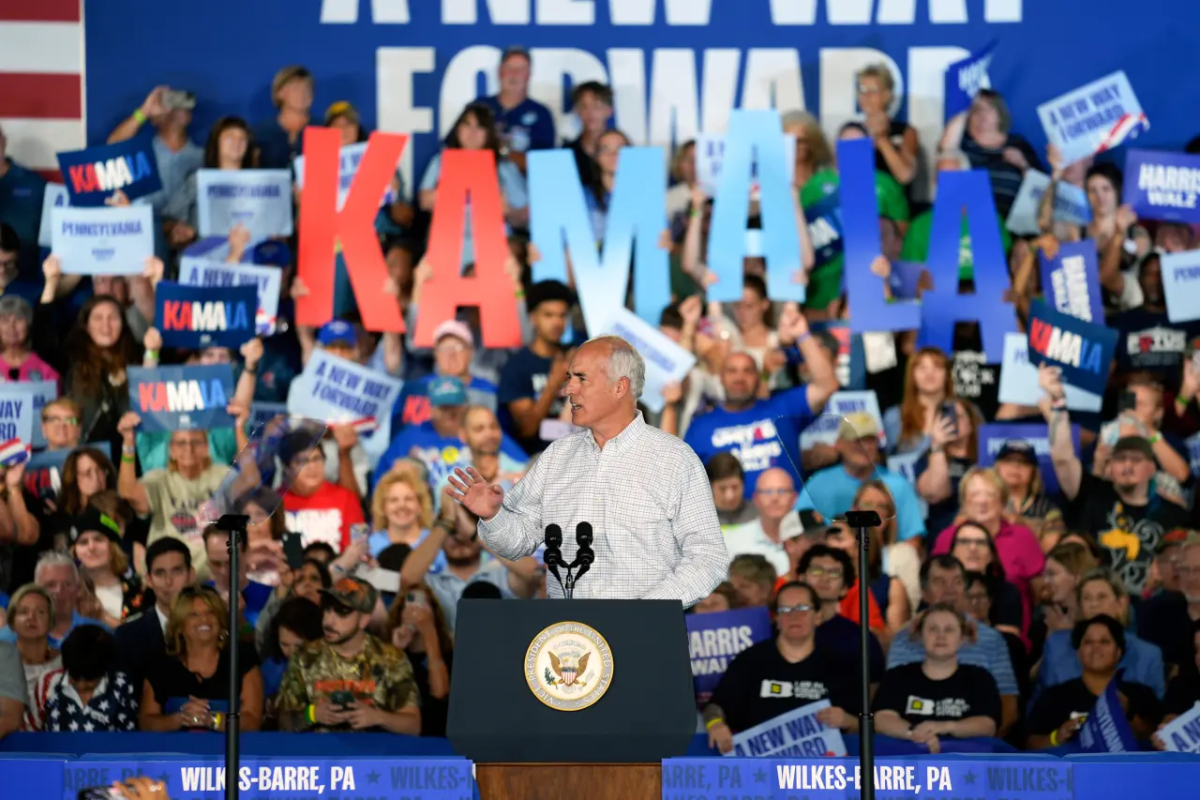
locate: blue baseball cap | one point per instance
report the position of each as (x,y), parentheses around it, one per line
(337,332)
(447,392)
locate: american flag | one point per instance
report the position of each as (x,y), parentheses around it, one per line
(41,75)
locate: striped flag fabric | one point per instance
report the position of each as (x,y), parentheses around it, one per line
(41,72)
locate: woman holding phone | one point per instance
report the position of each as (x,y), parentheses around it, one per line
(417,626)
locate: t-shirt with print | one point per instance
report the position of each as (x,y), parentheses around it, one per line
(760,684)
(1128,535)
(379,676)
(528,125)
(524,377)
(325,515)
(763,436)
(174,501)
(1148,341)
(969,692)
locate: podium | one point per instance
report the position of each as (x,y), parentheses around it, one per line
(578,699)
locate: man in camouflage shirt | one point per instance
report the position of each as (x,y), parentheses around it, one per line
(350,680)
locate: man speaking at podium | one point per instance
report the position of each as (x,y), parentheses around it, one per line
(643,491)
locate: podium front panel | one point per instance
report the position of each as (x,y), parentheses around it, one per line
(646,711)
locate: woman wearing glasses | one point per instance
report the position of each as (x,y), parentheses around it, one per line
(927,701)
(783,674)
(975,548)
(171,496)
(187,686)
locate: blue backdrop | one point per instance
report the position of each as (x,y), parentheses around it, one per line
(681,73)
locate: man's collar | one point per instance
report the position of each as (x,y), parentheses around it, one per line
(628,435)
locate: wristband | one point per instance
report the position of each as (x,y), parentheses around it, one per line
(128,459)
(712,723)
(251,370)
(139,116)
(217,718)
(1054,738)
(1155,439)
(801,338)
(310,714)
(152,354)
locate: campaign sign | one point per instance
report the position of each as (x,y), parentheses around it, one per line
(823,429)
(796,733)
(1193,446)
(965,78)
(1182,734)
(94,174)
(266,280)
(1093,118)
(715,639)
(1036,777)
(993,437)
(102,241)
(1181,285)
(1071,281)
(181,398)
(335,390)
(17,412)
(197,316)
(666,362)
(262,413)
(1019,379)
(1070,204)
(1106,730)
(710,156)
(1163,186)
(260,200)
(55,197)
(43,473)
(905,465)
(349,157)
(43,392)
(283,778)
(1083,350)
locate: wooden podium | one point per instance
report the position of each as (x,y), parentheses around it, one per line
(527,742)
(573,781)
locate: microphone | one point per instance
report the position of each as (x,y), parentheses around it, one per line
(585,556)
(553,555)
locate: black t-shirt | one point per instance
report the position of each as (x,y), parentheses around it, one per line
(173,683)
(942,515)
(1128,535)
(1071,699)
(433,710)
(759,685)
(524,377)
(842,637)
(969,692)
(1163,620)
(1183,692)
(1006,607)
(1148,341)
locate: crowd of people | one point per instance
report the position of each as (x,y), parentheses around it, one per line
(1006,591)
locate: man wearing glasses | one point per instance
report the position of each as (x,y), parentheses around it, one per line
(830,571)
(774,496)
(783,674)
(453,357)
(350,680)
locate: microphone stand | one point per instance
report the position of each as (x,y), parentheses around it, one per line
(861,521)
(235,526)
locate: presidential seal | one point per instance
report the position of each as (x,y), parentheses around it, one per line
(568,666)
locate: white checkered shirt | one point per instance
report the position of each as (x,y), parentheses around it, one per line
(651,509)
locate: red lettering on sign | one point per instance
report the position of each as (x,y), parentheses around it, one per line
(1039,335)
(83,178)
(152,397)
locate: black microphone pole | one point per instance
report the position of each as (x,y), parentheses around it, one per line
(235,526)
(861,521)
(553,555)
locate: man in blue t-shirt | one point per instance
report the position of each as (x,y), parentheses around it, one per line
(453,353)
(765,433)
(21,192)
(522,124)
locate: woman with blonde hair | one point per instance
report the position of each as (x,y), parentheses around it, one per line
(187,686)
(96,545)
(31,613)
(812,148)
(897,147)
(401,511)
(928,383)
(1028,503)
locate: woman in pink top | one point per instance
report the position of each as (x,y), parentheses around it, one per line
(18,362)
(982,496)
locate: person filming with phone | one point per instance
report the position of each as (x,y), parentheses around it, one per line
(953,449)
(350,680)
(644,491)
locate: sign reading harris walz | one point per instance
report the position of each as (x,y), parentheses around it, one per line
(840,779)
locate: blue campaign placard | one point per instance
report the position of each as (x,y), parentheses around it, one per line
(198,271)
(334,390)
(715,639)
(1181,285)
(102,241)
(1070,204)
(199,316)
(1083,350)
(55,197)
(260,200)
(1071,281)
(753,139)
(1163,186)
(1093,118)
(965,78)
(19,411)
(181,398)
(95,174)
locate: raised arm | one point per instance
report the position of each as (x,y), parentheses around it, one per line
(1062,449)
(822,382)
